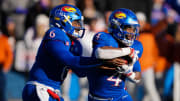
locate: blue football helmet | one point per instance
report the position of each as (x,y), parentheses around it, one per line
(119,21)
(63,17)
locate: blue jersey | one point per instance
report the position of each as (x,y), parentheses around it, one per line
(105,83)
(55,55)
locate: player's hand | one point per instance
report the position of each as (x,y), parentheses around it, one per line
(117,62)
(124,69)
(107,68)
(113,63)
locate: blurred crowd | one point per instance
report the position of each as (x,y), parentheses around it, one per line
(24,22)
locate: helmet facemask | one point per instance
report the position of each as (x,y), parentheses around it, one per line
(77,28)
(127,34)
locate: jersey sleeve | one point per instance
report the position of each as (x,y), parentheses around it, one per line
(139,48)
(137,67)
(101,39)
(80,72)
(56,34)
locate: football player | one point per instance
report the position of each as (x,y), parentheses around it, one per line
(56,55)
(120,42)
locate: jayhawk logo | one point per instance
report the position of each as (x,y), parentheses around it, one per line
(68,9)
(120,15)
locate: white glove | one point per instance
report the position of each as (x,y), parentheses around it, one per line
(125,68)
(134,56)
(128,72)
(129,67)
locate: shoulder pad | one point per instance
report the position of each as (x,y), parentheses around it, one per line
(102,36)
(56,34)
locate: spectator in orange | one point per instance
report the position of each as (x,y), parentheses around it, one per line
(148,59)
(6,57)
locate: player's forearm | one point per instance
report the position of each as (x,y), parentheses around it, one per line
(77,62)
(64,56)
(79,72)
(111,53)
(87,62)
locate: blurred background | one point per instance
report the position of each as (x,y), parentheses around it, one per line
(23,23)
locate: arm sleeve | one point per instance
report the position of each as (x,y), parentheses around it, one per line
(80,72)
(111,53)
(61,53)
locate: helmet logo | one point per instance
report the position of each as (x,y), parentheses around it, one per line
(120,15)
(68,9)
(56,18)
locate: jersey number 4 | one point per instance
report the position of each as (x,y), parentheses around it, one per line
(117,80)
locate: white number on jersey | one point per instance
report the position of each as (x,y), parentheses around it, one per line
(117,80)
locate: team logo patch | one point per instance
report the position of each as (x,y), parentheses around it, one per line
(68,9)
(52,34)
(120,15)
